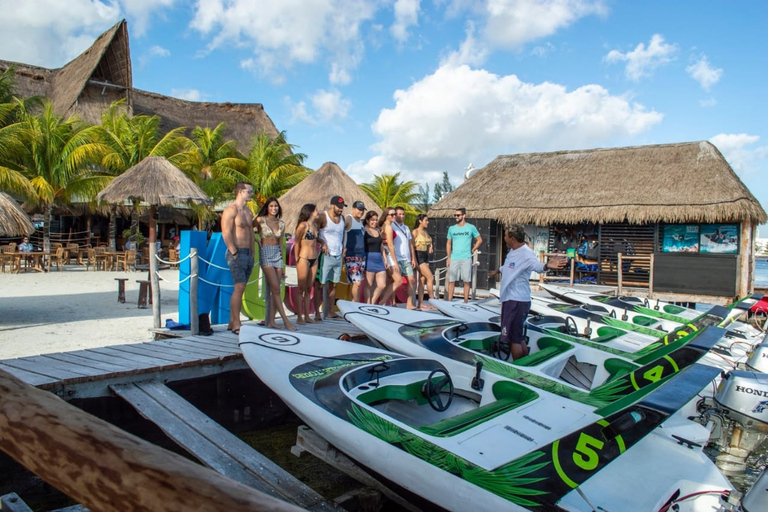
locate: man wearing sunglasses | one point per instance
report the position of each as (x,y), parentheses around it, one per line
(459,249)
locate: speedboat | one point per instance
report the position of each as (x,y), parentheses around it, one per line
(464,438)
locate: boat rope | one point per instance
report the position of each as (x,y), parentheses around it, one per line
(584,497)
(227,285)
(185,258)
(174,282)
(211,264)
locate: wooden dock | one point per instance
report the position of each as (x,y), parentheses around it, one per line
(138,374)
(89,373)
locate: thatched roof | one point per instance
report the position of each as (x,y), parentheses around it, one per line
(244,120)
(155,181)
(13,220)
(318,188)
(102,74)
(675,183)
(107,60)
(167,215)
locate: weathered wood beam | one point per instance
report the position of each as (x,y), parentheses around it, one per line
(108,469)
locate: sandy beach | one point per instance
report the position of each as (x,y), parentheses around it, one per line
(76,309)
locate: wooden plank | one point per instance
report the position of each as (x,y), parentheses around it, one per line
(307,440)
(41,369)
(232,348)
(181,355)
(213,445)
(197,348)
(30,377)
(78,453)
(161,358)
(74,358)
(151,361)
(121,358)
(46,361)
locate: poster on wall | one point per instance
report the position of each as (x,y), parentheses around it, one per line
(719,238)
(680,238)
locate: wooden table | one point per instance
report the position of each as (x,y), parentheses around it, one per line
(39,258)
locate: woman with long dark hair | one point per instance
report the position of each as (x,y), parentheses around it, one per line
(422,242)
(271,227)
(375,273)
(305,251)
(388,253)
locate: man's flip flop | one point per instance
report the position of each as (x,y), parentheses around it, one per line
(236,331)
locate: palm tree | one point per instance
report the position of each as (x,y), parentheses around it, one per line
(132,139)
(386,190)
(59,157)
(214,165)
(273,167)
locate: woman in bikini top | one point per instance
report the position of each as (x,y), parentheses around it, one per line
(305,251)
(271,257)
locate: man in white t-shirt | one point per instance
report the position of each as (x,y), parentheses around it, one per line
(331,237)
(515,289)
(405,253)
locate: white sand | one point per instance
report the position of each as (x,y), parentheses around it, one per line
(75,309)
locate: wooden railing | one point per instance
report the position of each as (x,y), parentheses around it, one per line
(649,259)
(108,469)
(544,256)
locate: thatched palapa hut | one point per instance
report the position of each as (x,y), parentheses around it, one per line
(645,197)
(318,188)
(103,74)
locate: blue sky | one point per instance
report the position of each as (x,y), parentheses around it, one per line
(422,87)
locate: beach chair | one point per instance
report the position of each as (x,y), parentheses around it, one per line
(57,258)
(127,259)
(173,257)
(72,250)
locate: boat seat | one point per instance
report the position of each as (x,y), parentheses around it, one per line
(673,309)
(605,334)
(549,348)
(404,392)
(618,367)
(479,345)
(508,396)
(644,321)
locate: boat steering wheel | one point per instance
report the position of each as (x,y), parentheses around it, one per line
(433,390)
(571,327)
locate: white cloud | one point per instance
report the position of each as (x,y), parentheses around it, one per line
(141,12)
(709,102)
(159,51)
(512,23)
(734,147)
(288,32)
(459,114)
(406,16)
(702,72)
(50,33)
(543,50)
(187,94)
(643,61)
(471,51)
(327,106)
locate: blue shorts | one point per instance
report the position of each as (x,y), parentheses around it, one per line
(374,262)
(513,315)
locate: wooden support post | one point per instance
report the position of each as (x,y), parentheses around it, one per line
(475,264)
(620,273)
(573,270)
(108,469)
(121,289)
(155,288)
(194,265)
(144,293)
(650,277)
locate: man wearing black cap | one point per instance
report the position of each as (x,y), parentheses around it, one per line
(331,237)
(354,257)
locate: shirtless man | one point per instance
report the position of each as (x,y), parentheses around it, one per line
(237,224)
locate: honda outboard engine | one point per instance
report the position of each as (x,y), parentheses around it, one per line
(739,414)
(758,359)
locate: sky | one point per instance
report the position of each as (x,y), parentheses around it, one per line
(423,87)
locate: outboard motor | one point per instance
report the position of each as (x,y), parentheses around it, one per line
(739,414)
(758,359)
(756,499)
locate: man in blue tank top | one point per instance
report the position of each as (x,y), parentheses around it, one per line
(354,247)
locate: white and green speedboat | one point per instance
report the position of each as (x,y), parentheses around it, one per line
(462,439)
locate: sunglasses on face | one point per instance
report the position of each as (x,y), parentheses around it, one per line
(457,215)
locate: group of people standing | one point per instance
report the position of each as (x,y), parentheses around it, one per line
(380,250)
